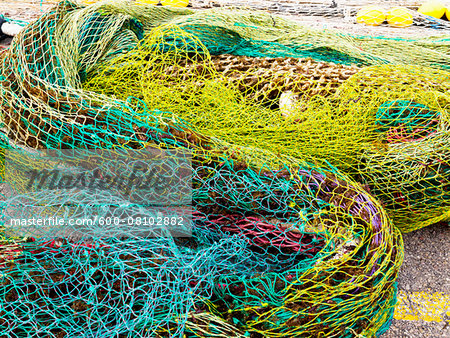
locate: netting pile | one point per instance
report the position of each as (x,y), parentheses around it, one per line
(279,247)
(259,34)
(266,79)
(385,125)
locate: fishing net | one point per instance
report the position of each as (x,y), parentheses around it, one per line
(385,125)
(252,266)
(278,246)
(259,34)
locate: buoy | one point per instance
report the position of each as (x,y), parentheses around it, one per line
(399,17)
(371,15)
(8,28)
(11,29)
(147,2)
(288,101)
(175,3)
(432,8)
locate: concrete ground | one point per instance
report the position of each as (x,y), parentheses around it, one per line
(423,309)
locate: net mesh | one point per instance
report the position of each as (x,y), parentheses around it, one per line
(259,34)
(391,136)
(283,244)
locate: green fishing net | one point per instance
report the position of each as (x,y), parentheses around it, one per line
(384,125)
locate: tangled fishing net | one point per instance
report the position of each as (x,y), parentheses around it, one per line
(279,247)
(385,125)
(259,34)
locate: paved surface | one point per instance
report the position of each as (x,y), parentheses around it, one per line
(423,309)
(27,10)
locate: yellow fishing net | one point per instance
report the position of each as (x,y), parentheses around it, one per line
(385,125)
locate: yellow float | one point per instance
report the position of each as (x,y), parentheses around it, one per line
(432,8)
(399,17)
(175,3)
(371,15)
